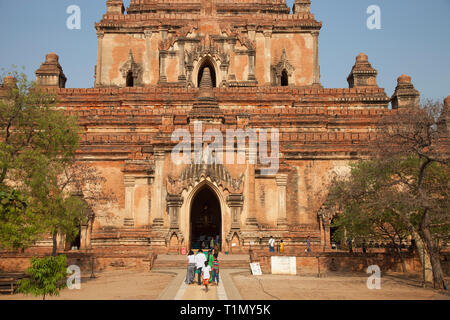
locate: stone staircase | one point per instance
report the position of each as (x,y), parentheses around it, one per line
(167,261)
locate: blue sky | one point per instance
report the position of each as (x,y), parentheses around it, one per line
(414,40)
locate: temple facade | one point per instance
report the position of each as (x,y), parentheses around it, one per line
(203,67)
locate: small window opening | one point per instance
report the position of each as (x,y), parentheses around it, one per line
(284,79)
(130,79)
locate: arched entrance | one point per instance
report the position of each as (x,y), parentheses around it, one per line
(205,218)
(207,64)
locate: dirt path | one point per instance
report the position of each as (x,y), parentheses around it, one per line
(196,292)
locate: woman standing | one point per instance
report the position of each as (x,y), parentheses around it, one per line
(190,276)
(210,260)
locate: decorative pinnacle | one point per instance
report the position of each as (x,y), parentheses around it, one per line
(283,55)
(404,79)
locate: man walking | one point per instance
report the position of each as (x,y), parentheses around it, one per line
(271,244)
(200,263)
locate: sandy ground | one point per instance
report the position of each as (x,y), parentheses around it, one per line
(113,285)
(196,292)
(332,287)
(129,284)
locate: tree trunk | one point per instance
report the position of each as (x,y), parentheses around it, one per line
(398,249)
(3,175)
(424,255)
(43,297)
(438,275)
(55,243)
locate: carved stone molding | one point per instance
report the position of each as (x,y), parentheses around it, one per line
(194,173)
(235,202)
(174,203)
(326,214)
(281,179)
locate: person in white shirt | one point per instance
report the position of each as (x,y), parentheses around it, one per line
(200,259)
(271,244)
(206,275)
(190,276)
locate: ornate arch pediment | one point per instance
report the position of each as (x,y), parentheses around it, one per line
(232,233)
(283,64)
(195,173)
(200,51)
(132,66)
(178,234)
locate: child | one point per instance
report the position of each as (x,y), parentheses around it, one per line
(215,270)
(206,275)
(281,247)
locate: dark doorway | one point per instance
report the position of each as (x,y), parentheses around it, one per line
(206,219)
(74,241)
(208,64)
(333,235)
(284,79)
(130,79)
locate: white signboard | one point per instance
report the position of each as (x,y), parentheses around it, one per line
(283,265)
(256,269)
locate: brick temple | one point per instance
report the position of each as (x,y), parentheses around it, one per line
(164,65)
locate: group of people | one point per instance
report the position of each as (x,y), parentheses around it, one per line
(281,245)
(212,243)
(205,265)
(272,245)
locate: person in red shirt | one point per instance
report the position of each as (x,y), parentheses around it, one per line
(215,270)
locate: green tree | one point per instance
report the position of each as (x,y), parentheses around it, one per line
(20,226)
(34,133)
(367,211)
(46,277)
(405,185)
(38,143)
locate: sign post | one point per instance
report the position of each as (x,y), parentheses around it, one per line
(256,269)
